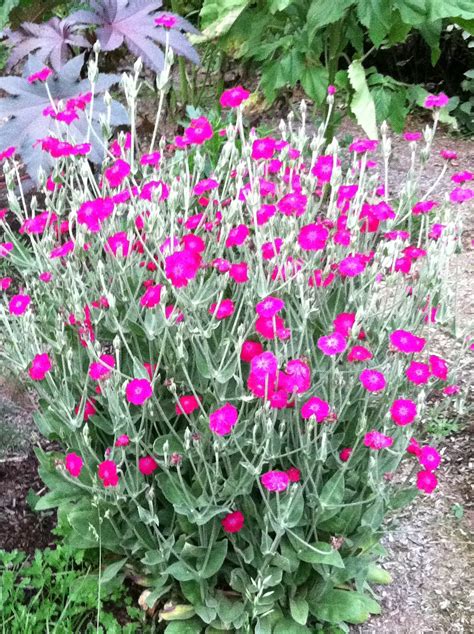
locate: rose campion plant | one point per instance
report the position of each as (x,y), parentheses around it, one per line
(232,436)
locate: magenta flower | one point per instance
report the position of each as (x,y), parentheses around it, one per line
(275,481)
(223,309)
(352,266)
(372,380)
(233,97)
(376,440)
(40,366)
(138,391)
(147,465)
(222,420)
(264,365)
(19,304)
(412,136)
(359,353)
(429,458)
(418,373)
(439,367)
(332,344)
(271,249)
(166,20)
(107,472)
(182,266)
(343,323)
(269,306)
(315,408)
(187,404)
(297,378)
(63,250)
(237,236)
(150,159)
(436,101)
(250,349)
(239,272)
(407,342)
(423,207)
(199,131)
(74,464)
(205,185)
(403,411)
(5,249)
(118,244)
(117,173)
(263,148)
(461,195)
(41,75)
(233,522)
(122,441)
(313,237)
(152,296)
(272,328)
(426,481)
(323,168)
(345,454)
(101,369)
(292,204)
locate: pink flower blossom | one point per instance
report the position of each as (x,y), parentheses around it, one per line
(451,390)
(271,249)
(118,244)
(250,349)
(313,237)
(107,472)
(264,365)
(233,522)
(426,481)
(418,373)
(237,236)
(345,454)
(5,249)
(263,148)
(360,146)
(269,306)
(352,266)
(429,458)
(122,441)
(423,207)
(41,75)
(205,185)
(332,344)
(462,177)
(187,404)
(436,101)
(239,272)
(5,283)
(40,366)
(413,447)
(359,353)
(117,173)
(223,309)
(292,204)
(438,367)
(315,408)
(198,131)
(63,250)
(8,153)
(403,411)
(343,323)
(461,195)
(265,213)
(412,136)
(150,159)
(222,420)
(152,296)
(19,304)
(407,342)
(181,267)
(323,168)
(376,440)
(45,277)
(233,97)
(372,380)
(146,465)
(272,328)
(89,409)
(296,378)
(94,212)
(74,464)
(166,20)
(138,391)
(101,369)
(275,481)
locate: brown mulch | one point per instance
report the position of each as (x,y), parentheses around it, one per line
(21,527)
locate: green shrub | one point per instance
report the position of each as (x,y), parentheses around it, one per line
(229,347)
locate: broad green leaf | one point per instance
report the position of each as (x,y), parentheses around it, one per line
(324,12)
(376,574)
(182,572)
(184,627)
(337,606)
(179,612)
(332,493)
(5,9)
(299,610)
(288,626)
(112,571)
(318,553)
(362,103)
(217,16)
(403,498)
(314,80)
(452,9)
(414,12)
(374,515)
(278,5)
(213,563)
(376,15)
(431,33)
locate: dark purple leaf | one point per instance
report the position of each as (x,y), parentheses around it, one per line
(50,41)
(23,111)
(133,22)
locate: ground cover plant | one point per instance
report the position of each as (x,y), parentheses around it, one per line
(227,337)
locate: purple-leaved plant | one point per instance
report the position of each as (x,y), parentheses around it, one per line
(50,41)
(25,121)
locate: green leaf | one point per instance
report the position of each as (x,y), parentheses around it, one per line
(217,16)
(5,10)
(332,493)
(215,560)
(179,612)
(318,553)
(314,80)
(376,15)
(403,498)
(184,627)
(279,5)
(362,103)
(299,610)
(337,606)
(324,12)
(414,12)
(287,626)
(182,572)
(431,33)
(376,574)
(452,9)
(374,515)
(112,571)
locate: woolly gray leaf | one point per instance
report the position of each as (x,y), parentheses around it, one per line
(26,102)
